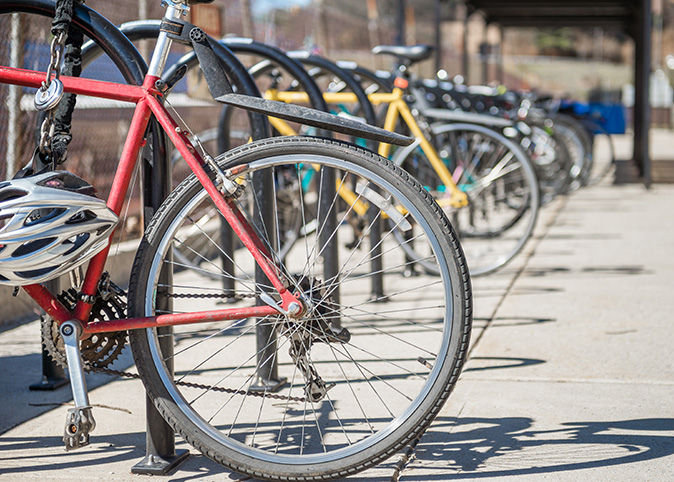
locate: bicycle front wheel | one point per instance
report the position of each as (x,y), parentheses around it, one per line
(348,384)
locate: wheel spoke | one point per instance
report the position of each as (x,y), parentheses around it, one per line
(349,367)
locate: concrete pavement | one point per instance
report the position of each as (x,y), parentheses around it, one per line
(570,376)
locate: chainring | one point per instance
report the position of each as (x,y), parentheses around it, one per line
(98,351)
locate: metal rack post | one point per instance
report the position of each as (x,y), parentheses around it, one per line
(160,453)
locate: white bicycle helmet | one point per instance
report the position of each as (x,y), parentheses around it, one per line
(49,224)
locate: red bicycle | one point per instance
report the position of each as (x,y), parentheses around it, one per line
(305,376)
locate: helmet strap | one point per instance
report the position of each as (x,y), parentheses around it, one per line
(36,165)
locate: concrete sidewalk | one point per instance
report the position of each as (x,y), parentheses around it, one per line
(570,377)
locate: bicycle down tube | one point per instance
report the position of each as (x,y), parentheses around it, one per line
(147,104)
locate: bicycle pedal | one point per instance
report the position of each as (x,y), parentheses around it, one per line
(79,420)
(79,423)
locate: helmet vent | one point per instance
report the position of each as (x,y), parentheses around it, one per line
(41,215)
(35,273)
(11,193)
(68,182)
(103,229)
(77,242)
(32,247)
(81,217)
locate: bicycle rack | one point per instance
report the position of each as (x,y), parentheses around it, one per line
(331,257)
(375,228)
(161,456)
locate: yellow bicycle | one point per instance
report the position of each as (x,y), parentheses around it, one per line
(483,180)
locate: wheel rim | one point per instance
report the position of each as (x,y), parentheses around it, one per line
(502,192)
(348,449)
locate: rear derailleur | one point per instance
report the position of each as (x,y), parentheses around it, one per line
(316,325)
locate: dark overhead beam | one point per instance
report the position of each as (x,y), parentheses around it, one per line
(578,4)
(631,16)
(587,11)
(610,13)
(558,21)
(557,12)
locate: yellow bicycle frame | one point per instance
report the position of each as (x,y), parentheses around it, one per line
(397,108)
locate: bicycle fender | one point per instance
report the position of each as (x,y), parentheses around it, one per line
(315,118)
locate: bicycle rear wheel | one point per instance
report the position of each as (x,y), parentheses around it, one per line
(341,388)
(579,144)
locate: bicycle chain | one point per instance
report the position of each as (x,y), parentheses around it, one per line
(236,296)
(112,372)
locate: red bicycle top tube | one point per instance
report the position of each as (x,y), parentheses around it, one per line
(75,85)
(146,98)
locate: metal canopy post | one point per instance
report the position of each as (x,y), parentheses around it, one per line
(484,55)
(632,17)
(642,71)
(464,54)
(438,35)
(500,70)
(400,22)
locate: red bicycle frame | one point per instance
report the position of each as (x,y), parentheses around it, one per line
(146,98)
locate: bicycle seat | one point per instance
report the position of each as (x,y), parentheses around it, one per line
(195,2)
(412,53)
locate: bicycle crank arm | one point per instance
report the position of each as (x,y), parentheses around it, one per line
(79,420)
(315,118)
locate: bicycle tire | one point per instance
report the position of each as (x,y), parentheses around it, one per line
(501,213)
(579,146)
(404,353)
(550,157)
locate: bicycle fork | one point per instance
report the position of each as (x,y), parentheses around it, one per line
(79,420)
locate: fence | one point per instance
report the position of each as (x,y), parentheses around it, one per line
(98,132)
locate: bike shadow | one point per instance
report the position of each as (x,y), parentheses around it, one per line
(588,271)
(45,454)
(109,457)
(495,447)
(454,447)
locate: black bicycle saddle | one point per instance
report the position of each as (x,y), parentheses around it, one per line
(413,53)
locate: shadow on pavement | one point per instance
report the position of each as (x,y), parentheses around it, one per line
(34,455)
(494,447)
(598,270)
(509,321)
(39,453)
(496,363)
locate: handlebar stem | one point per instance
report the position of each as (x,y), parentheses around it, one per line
(174,10)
